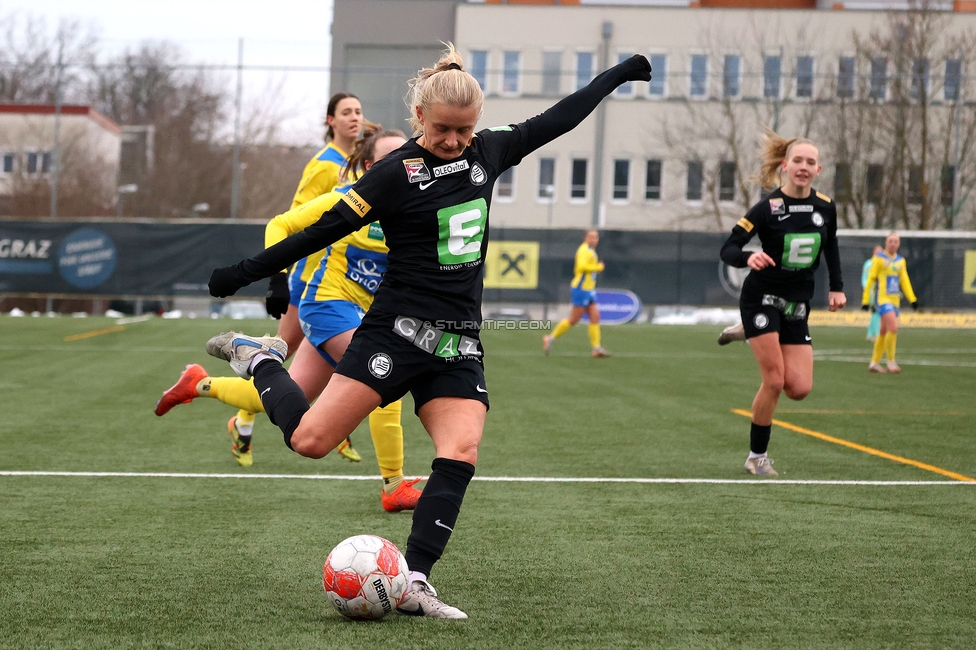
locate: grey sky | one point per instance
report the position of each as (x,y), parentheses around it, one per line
(279,33)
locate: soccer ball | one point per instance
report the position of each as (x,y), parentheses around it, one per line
(365,577)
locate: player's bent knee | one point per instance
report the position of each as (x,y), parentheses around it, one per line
(798,393)
(308,445)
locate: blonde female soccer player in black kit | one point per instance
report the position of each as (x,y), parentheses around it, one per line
(421,334)
(795,223)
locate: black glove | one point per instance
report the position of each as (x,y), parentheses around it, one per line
(636,68)
(225,281)
(866,307)
(278,297)
(915,305)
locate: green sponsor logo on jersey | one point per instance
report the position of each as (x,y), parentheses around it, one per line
(375,231)
(800,249)
(460,231)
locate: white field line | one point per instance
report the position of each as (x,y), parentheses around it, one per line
(491,479)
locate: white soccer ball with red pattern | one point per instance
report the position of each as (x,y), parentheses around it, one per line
(365,577)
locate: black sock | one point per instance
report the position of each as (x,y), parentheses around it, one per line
(437,512)
(283,400)
(759,438)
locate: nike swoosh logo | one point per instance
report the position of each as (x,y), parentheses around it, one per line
(424,186)
(480,389)
(785,216)
(808,338)
(264,391)
(437,522)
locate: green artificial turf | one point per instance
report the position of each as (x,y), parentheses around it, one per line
(210,562)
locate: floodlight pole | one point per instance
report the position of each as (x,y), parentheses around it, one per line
(601,127)
(56,151)
(235,173)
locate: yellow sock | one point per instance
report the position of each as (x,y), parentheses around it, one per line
(890,342)
(236,392)
(384,427)
(561,328)
(879,346)
(245,418)
(594,332)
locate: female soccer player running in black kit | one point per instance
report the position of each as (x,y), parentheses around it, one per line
(421,334)
(794,223)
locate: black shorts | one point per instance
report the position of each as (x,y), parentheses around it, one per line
(771,313)
(395,355)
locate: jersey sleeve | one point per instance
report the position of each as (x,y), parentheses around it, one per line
(832,253)
(876,265)
(322,179)
(743,231)
(298,219)
(507,145)
(586,262)
(905,283)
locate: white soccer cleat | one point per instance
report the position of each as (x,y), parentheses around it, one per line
(732,333)
(876,368)
(422,600)
(761,466)
(240,350)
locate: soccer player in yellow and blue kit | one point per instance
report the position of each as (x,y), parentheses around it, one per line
(888,277)
(583,291)
(339,292)
(344,120)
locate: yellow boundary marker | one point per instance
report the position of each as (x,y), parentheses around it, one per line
(865,449)
(88,335)
(858,412)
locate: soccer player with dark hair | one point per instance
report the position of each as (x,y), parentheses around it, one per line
(795,223)
(421,334)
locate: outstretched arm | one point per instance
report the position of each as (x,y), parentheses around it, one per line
(330,228)
(568,112)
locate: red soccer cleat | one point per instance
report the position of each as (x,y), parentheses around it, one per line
(183,391)
(403,498)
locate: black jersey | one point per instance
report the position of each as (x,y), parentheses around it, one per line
(793,232)
(434,212)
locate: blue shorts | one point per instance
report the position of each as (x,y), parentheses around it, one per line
(321,321)
(887,308)
(583,298)
(296,289)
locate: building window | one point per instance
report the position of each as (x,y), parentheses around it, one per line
(505,185)
(694,189)
(698,80)
(652,184)
(948,186)
(552,72)
(953,79)
(804,76)
(879,78)
(659,75)
(625,89)
(842,182)
(916,178)
(478,68)
(577,184)
(46,162)
(772,72)
(510,72)
(845,77)
(584,69)
(920,78)
(726,181)
(621,180)
(547,179)
(730,75)
(8,163)
(32,159)
(873,183)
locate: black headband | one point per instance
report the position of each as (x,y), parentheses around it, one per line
(453,66)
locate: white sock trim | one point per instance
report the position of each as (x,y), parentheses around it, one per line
(258,358)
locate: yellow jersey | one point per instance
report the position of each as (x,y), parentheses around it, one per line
(889,275)
(586,268)
(320,176)
(350,269)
